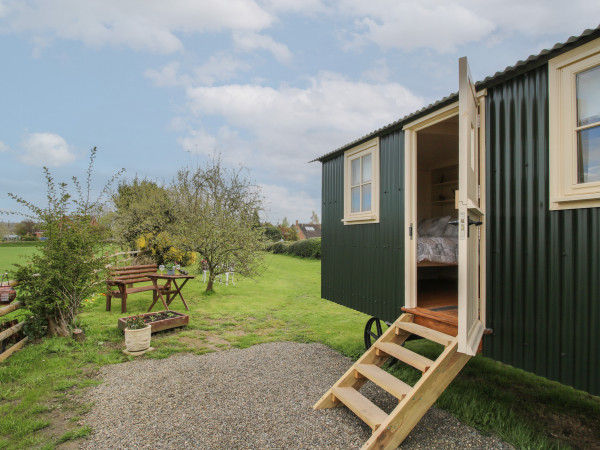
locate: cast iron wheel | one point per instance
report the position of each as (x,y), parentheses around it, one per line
(372,335)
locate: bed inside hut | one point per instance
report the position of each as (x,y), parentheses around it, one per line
(437,236)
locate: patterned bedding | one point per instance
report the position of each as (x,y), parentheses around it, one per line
(437,250)
(437,241)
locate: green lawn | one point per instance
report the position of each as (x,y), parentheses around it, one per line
(283,304)
(13,253)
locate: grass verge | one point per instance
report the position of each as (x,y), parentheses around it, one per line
(40,405)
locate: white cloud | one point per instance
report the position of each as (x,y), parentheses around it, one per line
(40,43)
(329,103)
(3,147)
(279,130)
(249,41)
(408,25)
(219,67)
(282,202)
(166,76)
(306,7)
(444,25)
(151,25)
(538,17)
(46,149)
(379,73)
(199,142)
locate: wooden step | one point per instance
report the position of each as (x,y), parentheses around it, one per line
(436,320)
(424,332)
(384,380)
(360,405)
(405,355)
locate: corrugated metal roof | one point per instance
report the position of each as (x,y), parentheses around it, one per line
(511,71)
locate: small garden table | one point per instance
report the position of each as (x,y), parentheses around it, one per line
(166,289)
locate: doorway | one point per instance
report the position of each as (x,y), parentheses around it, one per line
(433,257)
(444,178)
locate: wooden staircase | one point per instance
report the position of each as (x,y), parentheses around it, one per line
(390,430)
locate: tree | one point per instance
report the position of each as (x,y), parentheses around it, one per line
(65,269)
(288,233)
(256,220)
(272,233)
(314,218)
(25,228)
(141,207)
(4,229)
(215,209)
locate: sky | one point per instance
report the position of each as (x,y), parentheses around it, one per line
(269,84)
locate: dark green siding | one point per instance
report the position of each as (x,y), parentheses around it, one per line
(363,265)
(543,268)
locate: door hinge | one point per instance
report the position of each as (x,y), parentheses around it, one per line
(478,192)
(410,231)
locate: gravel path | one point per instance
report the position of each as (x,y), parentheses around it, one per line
(259,397)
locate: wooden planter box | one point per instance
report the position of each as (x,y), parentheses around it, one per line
(179,320)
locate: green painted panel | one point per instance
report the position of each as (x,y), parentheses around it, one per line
(543,269)
(362,266)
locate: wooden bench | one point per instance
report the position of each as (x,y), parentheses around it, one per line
(124,279)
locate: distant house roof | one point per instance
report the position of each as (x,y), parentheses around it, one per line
(308,230)
(511,71)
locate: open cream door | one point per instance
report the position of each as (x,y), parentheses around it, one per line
(470,215)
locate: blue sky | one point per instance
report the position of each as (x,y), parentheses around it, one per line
(158,85)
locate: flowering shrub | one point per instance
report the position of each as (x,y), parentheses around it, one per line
(136,323)
(159,246)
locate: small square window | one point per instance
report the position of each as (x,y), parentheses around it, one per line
(574,94)
(361,178)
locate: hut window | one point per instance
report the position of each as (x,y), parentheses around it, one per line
(574,99)
(361,183)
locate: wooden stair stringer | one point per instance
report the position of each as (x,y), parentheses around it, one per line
(328,400)
(413,407)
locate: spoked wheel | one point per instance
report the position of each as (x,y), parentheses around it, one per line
(373,331)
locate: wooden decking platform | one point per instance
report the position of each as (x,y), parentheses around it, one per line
(437,306)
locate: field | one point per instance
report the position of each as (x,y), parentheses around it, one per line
(15,253)
(39,406)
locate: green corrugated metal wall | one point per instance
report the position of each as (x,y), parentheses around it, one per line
(543,268)
(363,265)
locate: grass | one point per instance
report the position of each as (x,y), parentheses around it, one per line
(15,253)
(40,383)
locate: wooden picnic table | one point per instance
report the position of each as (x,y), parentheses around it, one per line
(166,289)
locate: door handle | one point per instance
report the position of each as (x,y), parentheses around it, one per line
(474,222)
(471,222)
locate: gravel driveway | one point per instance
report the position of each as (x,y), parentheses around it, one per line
(259,397)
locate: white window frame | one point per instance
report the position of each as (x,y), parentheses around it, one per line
(565,191)
(370,147)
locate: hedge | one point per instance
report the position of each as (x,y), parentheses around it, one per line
(306,248)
